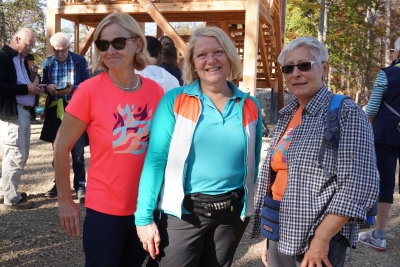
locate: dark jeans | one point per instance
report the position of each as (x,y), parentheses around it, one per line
(387,157)
(78,162)
(111,241)
(336,254)
(195,241)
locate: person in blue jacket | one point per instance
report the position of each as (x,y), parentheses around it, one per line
(63,72)
(202,161)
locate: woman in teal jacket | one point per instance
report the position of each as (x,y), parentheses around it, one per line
(202,162)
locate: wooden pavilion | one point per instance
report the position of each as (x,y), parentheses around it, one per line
(256,27)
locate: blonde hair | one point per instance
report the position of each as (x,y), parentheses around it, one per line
(188,70)
(127,22)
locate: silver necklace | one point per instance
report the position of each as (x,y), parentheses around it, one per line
(128,88)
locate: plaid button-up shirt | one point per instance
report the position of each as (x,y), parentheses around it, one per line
(350,189)
(62,74)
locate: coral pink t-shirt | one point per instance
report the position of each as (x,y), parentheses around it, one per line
(118,130)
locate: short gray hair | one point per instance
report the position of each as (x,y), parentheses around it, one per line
(317,49)
(397,44)
(60,38)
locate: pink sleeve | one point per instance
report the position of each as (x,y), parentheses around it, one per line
(79,106)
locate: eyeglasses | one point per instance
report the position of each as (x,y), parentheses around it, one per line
(303,66)
(118,43)
(61,51)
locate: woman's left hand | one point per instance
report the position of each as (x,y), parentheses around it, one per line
(317,254)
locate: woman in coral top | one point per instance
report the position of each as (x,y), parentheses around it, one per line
(115,108)
(324,201)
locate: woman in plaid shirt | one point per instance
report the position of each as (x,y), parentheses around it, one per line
(322,205)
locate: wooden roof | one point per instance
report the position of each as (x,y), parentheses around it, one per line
(255,26)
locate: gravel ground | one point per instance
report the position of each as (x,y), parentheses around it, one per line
(34,237)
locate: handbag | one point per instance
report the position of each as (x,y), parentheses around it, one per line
(270,218)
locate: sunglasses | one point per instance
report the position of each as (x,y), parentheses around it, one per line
(118,43)
(303,66)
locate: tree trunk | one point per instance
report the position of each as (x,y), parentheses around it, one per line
(2,24)
(388,8)
(322,22)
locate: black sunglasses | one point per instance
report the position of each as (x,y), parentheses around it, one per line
(118,43)
(303,66)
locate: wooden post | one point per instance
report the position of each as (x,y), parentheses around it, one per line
(76,38)
(53,25)
(152,10)
(251,46)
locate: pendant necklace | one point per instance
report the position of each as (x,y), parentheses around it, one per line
(128,89)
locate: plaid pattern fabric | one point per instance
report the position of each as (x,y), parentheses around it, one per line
(62,74)
(349,190)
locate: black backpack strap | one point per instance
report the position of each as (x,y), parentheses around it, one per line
(333,126)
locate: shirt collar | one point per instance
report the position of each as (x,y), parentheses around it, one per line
(319,100)
(195,90)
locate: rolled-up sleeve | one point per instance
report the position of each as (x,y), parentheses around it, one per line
(357,175)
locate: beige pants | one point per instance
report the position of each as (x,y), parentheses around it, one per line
(15,139)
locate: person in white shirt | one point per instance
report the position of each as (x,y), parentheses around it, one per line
(158,74)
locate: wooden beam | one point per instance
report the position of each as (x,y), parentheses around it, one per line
(278,46)
(263,54)
(84,47)
(152,10)
(76,38)
(224,25)
(159,32)
(53,25)
(251,46)
(265,16)
(137,7)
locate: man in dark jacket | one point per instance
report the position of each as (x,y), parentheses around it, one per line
(17,96)
(62,73)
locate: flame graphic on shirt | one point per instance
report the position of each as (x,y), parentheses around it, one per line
(131,129)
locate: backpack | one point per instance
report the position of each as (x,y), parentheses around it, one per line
(333,135)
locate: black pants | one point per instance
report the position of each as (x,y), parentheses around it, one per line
(195,241)
(111,241)
(387,157)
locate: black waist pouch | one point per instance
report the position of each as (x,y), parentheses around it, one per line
(213,205)
(270,218)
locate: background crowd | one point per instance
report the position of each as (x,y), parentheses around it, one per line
(193,193)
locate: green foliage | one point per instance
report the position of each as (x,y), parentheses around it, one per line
(355,32)
(15,14)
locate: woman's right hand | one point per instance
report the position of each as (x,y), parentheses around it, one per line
(264,253)
(69,216)
(150,238)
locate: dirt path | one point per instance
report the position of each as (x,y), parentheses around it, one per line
(34,237)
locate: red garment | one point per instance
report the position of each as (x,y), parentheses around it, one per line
(118,129)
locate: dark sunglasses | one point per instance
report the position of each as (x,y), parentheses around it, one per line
(118,43)
(303,66)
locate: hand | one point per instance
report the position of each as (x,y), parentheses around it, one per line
(34,89)
(264,253)
(65,91)
(52,89)
(150,238)
(317,254)
(69,216)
